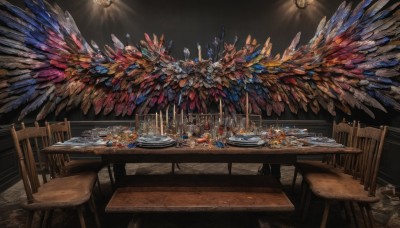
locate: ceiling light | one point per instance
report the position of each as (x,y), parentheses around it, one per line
(104,3)
(301,4)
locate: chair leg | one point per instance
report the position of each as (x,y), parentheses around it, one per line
(294,178)
(81,218)
(98,185)
(47,217)
(50,217)
(303,192)
(92,206)
(363,213)
(369,214)
(30,219)
(347,211)
(306,204)
(353,212)
(173,168)
(111,175)
(325,214)
(42,216)
(364,216)
(230,168)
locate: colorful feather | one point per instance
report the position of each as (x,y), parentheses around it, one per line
(352,62)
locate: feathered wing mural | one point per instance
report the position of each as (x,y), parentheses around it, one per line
(46,66)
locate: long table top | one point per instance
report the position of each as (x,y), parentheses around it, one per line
(201,150)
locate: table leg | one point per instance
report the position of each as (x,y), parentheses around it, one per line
(119,171)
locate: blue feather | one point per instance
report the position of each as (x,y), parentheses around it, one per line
(42,15)
(140,99)
(100,69)
(22,99)
(21,84)
(21,14)
(374,85)
(387,64)
(385,100)
(380,79)
(130,68)
(13,23)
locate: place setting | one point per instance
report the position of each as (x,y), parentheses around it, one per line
(81,142)
(155,141)
(245,141)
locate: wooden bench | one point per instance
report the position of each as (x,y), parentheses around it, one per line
(199,193)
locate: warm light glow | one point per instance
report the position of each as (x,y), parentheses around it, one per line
(301,4)
(295,17)
(104,3)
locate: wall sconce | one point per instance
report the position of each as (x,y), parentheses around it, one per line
(104,3)
(301,4)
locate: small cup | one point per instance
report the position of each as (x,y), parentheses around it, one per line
(192,144)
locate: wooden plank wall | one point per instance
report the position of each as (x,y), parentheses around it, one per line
(9,171)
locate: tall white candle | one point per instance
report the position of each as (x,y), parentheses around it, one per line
(156,130)
(166,118)
(247,110)
(182,117)
(220,109)
(161,124)
(174,116)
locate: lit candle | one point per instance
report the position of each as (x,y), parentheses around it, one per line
(161,124)
(247,110)
(220,109)
(156,123)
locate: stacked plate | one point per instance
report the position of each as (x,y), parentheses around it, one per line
(82,141)
(155,141)
(299,133)
(245,141)
(322,141)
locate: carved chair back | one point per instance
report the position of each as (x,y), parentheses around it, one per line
(370,140)
(58,132)
(343,133)
(28,143)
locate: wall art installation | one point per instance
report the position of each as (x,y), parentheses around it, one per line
(351,63)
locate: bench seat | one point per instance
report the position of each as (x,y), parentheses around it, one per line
(199,193)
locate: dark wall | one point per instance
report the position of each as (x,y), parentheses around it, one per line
(187,22)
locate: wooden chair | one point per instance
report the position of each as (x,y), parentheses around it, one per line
(46,196)
(360,186)
(62,164)
(343,133)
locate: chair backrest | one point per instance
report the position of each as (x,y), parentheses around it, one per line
(60,131)
(344,132)
(370,140)
(28,142)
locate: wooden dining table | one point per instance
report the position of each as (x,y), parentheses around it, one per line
(200,153)
(165,193)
